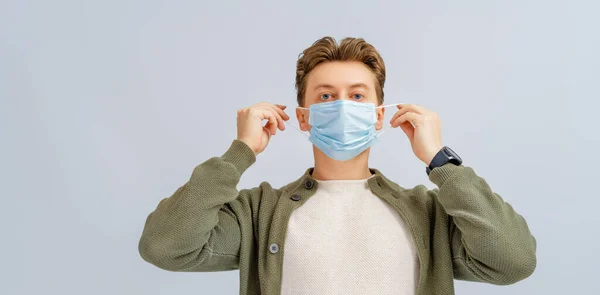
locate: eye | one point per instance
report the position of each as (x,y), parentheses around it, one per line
(325,96)
(357,96)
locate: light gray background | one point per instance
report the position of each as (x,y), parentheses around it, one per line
(107,106)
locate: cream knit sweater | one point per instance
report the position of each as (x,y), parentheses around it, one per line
(340,240)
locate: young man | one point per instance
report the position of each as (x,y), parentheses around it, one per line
(342,227)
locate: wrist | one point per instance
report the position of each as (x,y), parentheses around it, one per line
(240,155)
(247,143)
(442,157)
(430,155)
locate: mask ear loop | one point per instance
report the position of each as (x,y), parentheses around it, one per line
(290,124)
(387,106)
(381,132)
(297,128)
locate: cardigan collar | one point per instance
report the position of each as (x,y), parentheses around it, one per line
(378,182)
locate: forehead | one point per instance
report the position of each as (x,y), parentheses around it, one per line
(340,74)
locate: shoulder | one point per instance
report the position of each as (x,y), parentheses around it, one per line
(418,199)
(422,191)
(265,191)
(418,194)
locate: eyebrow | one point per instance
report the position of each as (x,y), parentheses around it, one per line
(355,85)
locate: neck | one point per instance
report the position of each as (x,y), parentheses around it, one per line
(327,168)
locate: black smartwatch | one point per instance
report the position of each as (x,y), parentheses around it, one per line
(444,156)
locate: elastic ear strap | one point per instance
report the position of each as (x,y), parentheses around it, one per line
(290,124)
(384,106)
(389,105)
(382,129)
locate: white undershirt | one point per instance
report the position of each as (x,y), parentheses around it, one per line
(346,240)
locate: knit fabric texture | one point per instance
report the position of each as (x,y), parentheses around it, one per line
(461,229)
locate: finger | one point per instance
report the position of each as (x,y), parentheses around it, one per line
(413,108)
(268,132)
(272,125)
(280,115)
(412,118)
(399,113)
(270,111)
(265,113)
(277,108)
(283,107)
(396,115)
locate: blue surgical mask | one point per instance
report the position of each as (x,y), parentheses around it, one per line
(342,129)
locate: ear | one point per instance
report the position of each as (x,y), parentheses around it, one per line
(302,116)
(380,112)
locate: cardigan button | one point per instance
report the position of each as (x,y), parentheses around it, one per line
(274,248)
(296,197)
(309,184)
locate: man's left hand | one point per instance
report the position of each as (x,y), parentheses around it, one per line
(422,127)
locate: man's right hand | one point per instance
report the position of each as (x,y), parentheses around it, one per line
(250,127)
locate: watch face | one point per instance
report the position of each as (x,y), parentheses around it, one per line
(452,154)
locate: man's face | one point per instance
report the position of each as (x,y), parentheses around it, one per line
(330,81)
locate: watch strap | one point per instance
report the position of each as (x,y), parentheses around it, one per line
(442,157)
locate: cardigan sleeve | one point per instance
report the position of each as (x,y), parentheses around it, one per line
(198,228)
(490,241)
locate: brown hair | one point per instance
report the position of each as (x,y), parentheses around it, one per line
(350,49)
